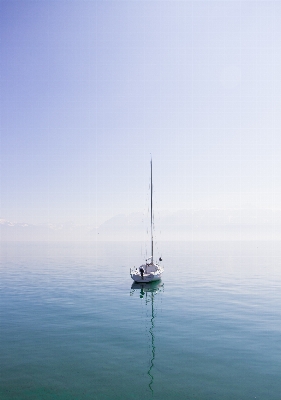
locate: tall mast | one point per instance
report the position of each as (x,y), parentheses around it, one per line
(151,211)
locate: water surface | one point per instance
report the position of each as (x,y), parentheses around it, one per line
(74,327)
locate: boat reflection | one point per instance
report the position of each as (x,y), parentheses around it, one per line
(151,287)
(148,291)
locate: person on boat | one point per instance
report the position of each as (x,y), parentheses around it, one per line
(141,271)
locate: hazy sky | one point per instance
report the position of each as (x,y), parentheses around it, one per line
(90,88)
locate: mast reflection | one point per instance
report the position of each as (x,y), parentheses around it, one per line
(149,291)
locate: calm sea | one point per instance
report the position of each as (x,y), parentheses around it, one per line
(72,325)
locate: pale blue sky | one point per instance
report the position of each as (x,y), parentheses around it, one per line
(90,89)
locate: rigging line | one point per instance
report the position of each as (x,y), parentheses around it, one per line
(151,210)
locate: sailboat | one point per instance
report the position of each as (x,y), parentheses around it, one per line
(150,271)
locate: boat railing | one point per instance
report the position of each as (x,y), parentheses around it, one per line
(151,273)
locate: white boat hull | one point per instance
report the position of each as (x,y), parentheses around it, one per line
(148,276)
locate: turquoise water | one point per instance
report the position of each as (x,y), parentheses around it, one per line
(74,327)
